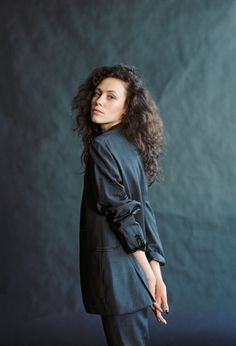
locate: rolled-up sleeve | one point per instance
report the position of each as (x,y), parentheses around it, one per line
(112,199)
(154,248)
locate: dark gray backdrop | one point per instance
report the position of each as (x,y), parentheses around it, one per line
(185,51)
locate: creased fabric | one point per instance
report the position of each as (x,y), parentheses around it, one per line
(112,199)
(115,221)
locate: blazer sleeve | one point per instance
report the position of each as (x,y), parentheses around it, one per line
(112,199)
(154,248)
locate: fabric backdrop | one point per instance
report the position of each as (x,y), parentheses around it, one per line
(185,51)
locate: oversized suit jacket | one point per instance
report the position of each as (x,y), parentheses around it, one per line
(116,219)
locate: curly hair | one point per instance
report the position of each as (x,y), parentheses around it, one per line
(142,124)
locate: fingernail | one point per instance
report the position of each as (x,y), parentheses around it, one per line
(166,311)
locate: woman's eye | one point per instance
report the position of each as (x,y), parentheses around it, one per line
(110,97)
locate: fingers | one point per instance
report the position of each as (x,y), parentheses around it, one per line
(161,297)
(160,317)
(156,307)
(159,293)
(164,304)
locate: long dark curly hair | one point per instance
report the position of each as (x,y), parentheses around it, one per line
(142,124)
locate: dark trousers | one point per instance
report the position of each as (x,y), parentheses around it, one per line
(128,329)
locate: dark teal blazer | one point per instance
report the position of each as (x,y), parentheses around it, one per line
(116,219)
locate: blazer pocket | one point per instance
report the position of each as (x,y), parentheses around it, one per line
(106,248)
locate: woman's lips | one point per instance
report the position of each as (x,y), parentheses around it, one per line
(97,111)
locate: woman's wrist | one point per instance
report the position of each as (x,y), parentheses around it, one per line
(155,265)
(141,258)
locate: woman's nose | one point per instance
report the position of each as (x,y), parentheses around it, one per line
(99,100)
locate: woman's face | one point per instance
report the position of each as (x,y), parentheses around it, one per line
(108,102)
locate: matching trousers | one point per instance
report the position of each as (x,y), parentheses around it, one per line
(127,329)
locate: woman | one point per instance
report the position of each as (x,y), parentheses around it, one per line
(120,249)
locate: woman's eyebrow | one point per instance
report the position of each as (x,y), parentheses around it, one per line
(107,90)
(112,91)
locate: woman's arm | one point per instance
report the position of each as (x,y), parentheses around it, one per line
(113,200)
(156,283)
(154,249)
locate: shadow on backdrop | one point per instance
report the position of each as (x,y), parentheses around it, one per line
(186,53)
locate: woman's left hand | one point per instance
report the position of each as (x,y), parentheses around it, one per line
(157,286)
(161,300)
(161,304)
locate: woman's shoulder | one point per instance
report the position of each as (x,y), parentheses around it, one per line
(112,138)
(115,140)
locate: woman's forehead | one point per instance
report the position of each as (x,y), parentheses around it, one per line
(111,84)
